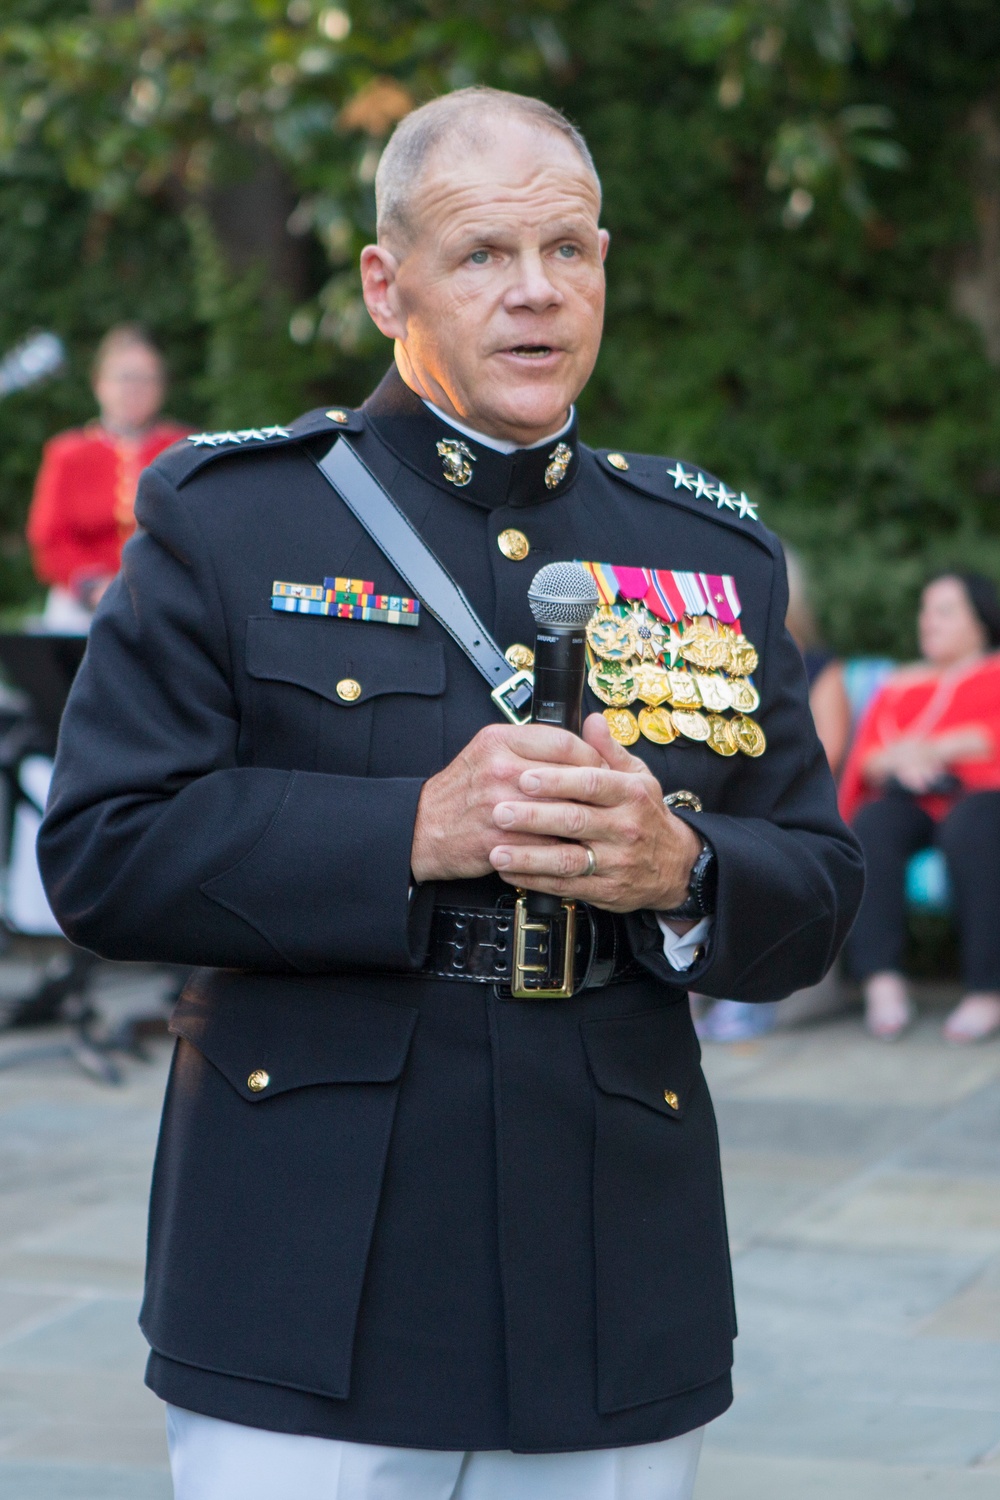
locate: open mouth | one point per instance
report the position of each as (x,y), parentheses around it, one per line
(532,351)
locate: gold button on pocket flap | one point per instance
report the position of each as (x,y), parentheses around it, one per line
(649,1059)
(258,1080)
(338,416)
(513,544)
(349,689)
(618,461)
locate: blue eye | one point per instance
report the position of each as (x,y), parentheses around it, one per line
(479,257)
(566,251)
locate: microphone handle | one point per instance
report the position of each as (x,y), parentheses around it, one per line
(560,672)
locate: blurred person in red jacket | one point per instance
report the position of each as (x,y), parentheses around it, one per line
(925,769)
(82,510)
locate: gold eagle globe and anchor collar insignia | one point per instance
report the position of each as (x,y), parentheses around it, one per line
(672,641)
(559,461)
(457,460)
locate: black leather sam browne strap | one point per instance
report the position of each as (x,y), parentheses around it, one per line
(372,505)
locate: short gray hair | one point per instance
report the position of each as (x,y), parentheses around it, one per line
(464,112)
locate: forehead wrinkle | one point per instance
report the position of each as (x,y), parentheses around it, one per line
(520,179)
(475,208)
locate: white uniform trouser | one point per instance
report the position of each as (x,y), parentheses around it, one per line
(214,1460)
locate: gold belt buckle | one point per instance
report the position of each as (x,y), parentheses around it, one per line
(523,925)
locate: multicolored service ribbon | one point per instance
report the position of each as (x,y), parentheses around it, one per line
(668,593)
(345,599)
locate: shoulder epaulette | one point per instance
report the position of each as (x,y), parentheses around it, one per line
(688,486)
(183,460)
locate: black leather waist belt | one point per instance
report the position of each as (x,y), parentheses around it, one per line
(526,958)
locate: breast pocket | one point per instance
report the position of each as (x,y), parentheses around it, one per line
(343,696)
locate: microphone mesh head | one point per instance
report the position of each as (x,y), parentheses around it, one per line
(563,593)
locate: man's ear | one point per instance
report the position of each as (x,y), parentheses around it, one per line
(379,270)
(604,240)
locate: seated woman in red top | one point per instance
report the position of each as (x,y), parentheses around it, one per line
(925,769)
(82,511)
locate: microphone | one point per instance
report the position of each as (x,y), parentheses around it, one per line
(562,596)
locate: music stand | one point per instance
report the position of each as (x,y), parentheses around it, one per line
(43,666)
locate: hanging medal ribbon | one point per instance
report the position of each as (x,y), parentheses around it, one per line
(672,641)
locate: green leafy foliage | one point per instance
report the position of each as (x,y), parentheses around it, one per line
(791,187)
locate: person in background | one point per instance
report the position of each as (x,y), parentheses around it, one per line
(925,769)
(828,700)
(735,1020)
(82,510)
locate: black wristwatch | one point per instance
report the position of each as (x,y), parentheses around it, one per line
(702,888)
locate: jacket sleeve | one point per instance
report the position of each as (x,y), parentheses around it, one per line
(158,845)
(790,872)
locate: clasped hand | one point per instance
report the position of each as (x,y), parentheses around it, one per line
(917,763)
(528,801)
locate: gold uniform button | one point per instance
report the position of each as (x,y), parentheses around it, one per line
(338,416)
(514,544)
(618,461)
(349,689)
(258,1080)
(521,658)
(671,1098)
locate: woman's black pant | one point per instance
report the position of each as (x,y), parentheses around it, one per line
(894,828)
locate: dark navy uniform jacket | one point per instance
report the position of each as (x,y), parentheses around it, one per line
(448,1220)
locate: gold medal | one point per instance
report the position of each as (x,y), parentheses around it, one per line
(744,695)
(721,738)
(657,725)
(692,724)
(623,725)
(714,691)
(683,690)
(706,651)
(611,637)
(652,684)
(749,736)
(613,683)
(743,659)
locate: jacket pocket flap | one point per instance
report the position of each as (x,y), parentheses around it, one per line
(652,1058)
(265,1042)
(317,653)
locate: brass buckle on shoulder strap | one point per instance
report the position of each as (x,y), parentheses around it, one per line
(529,935)
(513,697)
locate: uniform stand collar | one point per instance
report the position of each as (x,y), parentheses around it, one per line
(460,465)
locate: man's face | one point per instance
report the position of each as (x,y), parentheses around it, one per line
(498,300)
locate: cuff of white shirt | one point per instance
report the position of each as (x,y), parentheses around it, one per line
(681,949)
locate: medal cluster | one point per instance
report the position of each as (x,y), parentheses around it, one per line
(688,676)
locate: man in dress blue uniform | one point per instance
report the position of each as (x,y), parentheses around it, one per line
(412,1235)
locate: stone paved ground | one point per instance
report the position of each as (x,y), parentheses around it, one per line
(864,1200)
